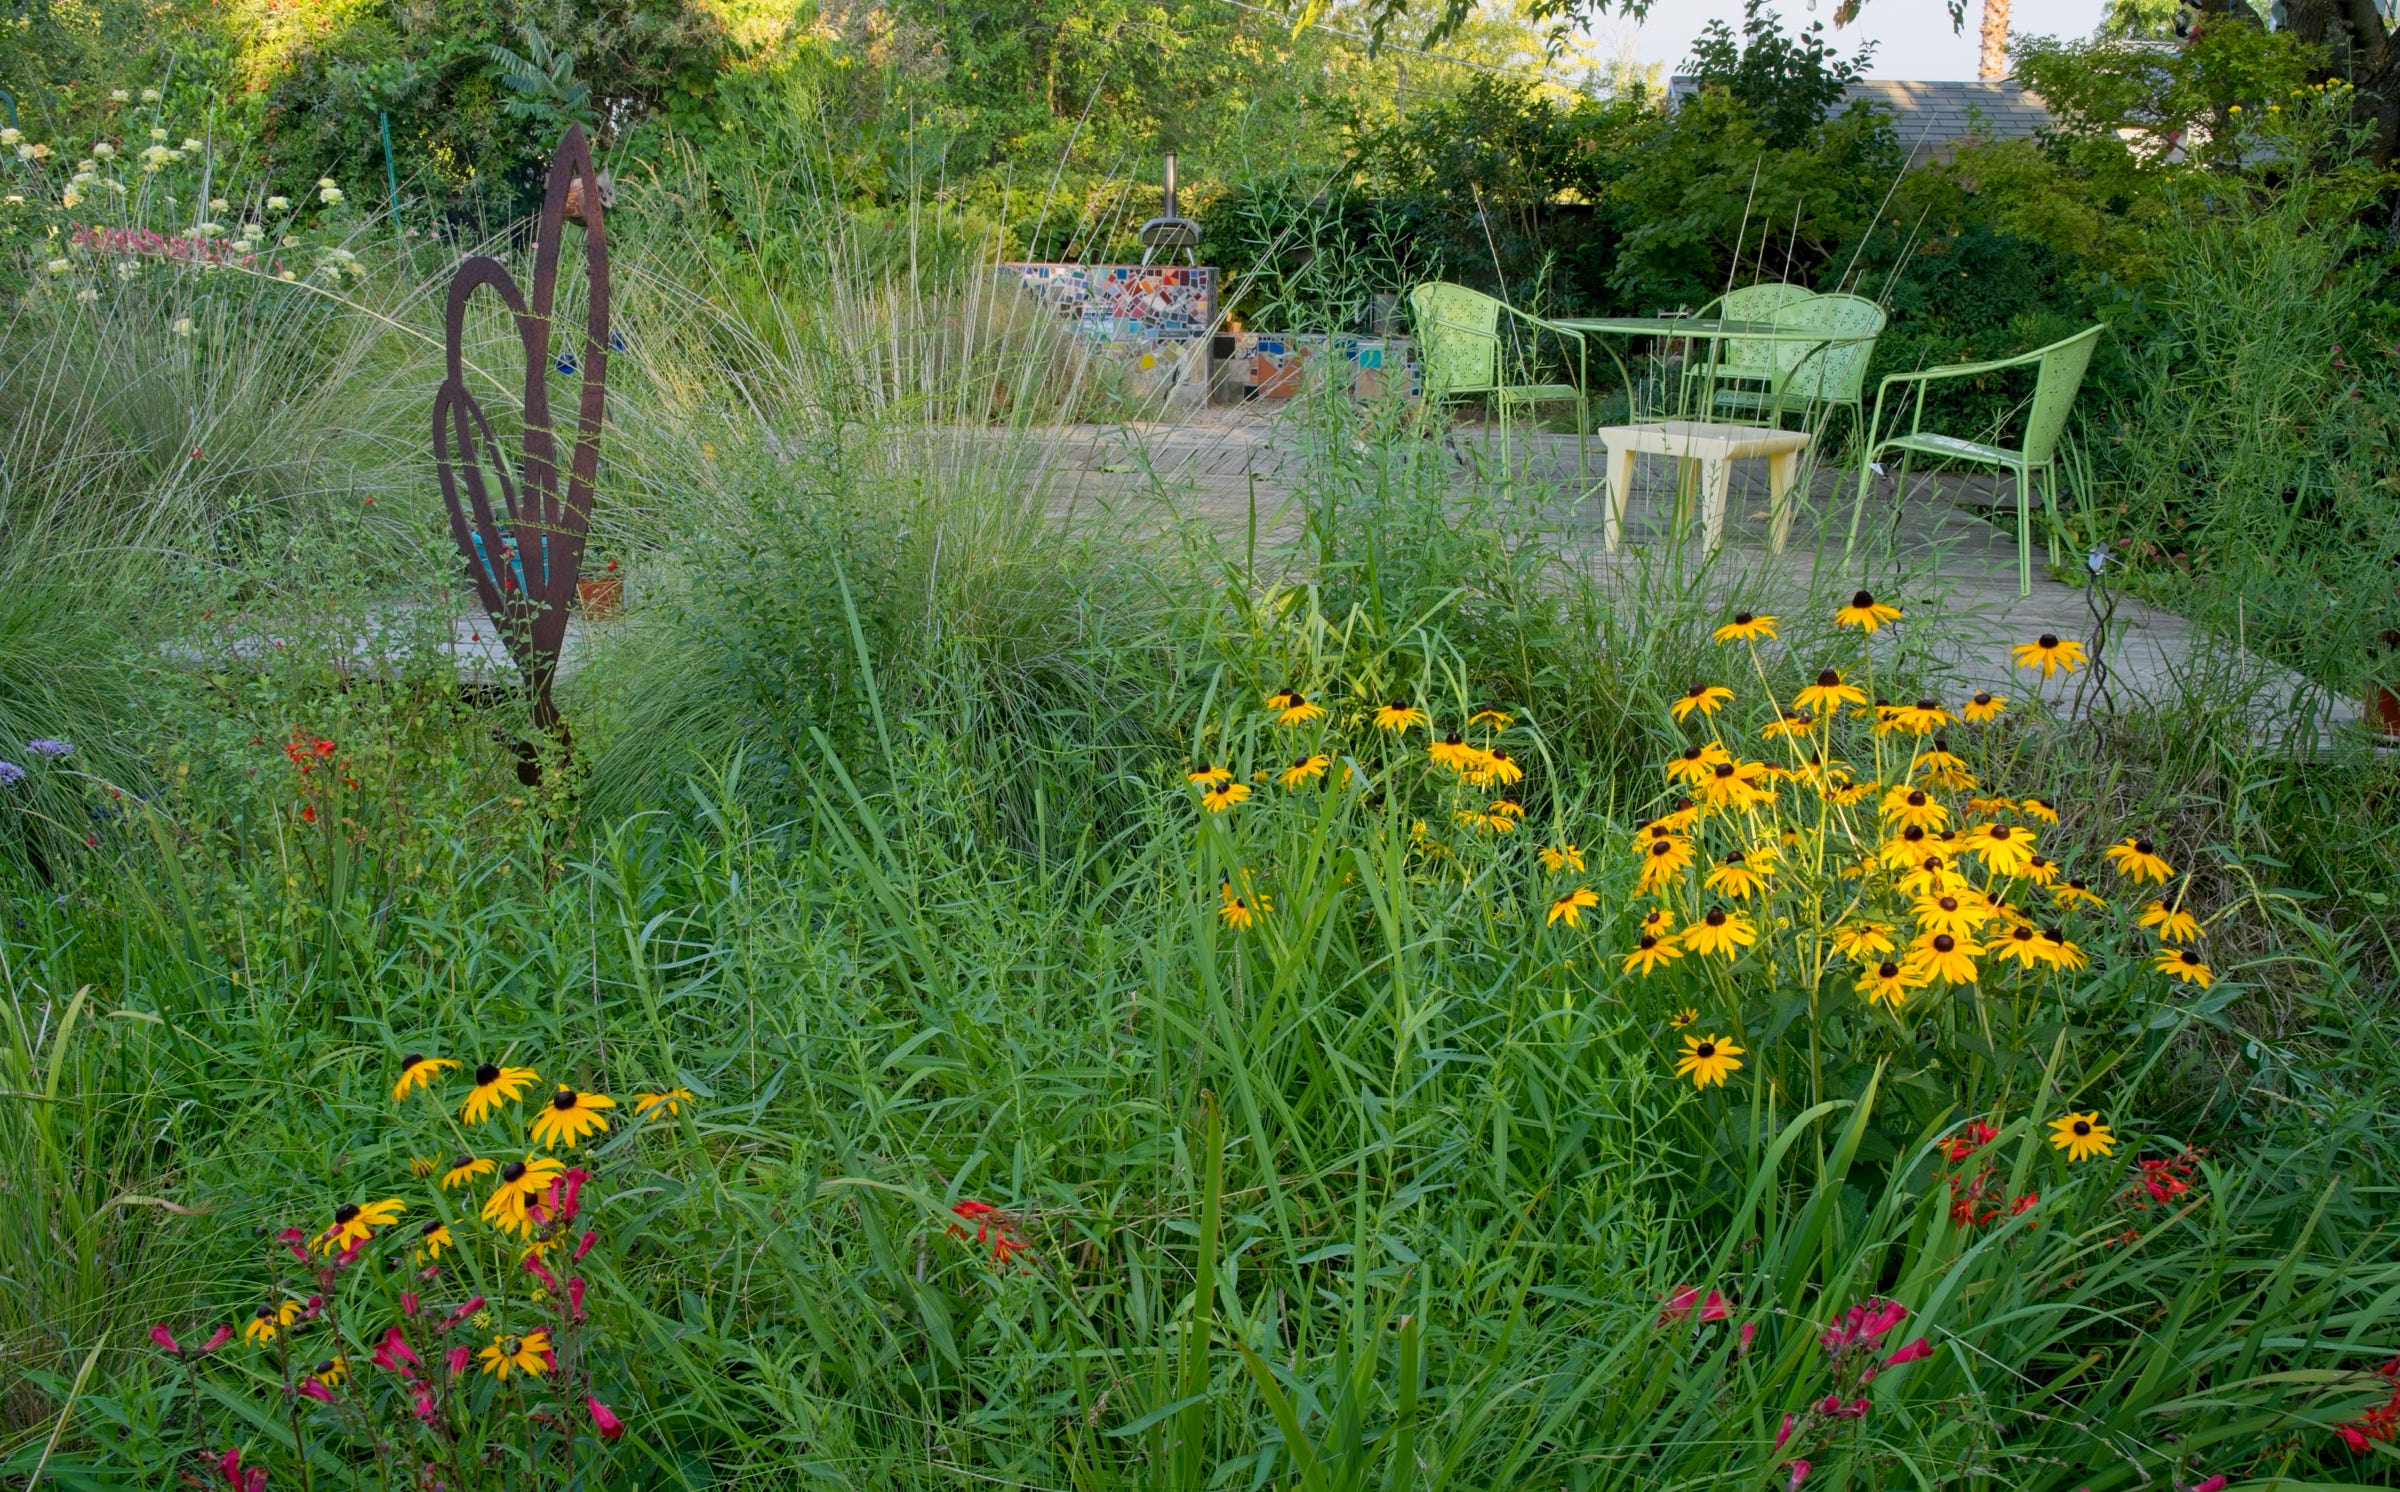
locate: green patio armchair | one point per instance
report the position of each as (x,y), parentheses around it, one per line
(1460,342)
(2061,367)
(1808,376)
(1737,361)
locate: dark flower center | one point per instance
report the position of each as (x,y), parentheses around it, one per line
(1400,704)
(1933,862)
(266,1313)
(1662,847)
(2075,883)
(1948,903)
(2141,846)
(513,1172)
(1982,698)
(2054,935)
(430,1229)
(1451,739)
(1500,756)
(1299,762)
(486,1075)
(1916,798)
(1828,679)
(1887,971)
(1943,942)
(1705,1049)
(1862,600)
(1942,744)
(1716,917)
(325,1367)
(1724,770)
(1742,619)
(2083,1126)
(1926,704)
(1696,691)
(1648,941)
(564,1101)
(1733,857)
(2046,641)
(1691,753)
(462,1162)
(2190,957)
(1682,803)
(411,1060)
(1999,831)
(2023,935)
(345,1212)
(1913,833)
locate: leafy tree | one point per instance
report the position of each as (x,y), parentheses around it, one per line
(1787,83)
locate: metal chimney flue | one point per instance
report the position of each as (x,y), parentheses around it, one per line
(1170,230)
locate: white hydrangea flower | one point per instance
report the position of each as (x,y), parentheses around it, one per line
(192,146)
(278,204)
(149,95)
(209,230)
(330,195)
(105,151)
(119,96)
(11,136)
(218,204)
(158,137)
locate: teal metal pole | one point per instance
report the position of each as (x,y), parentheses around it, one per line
(391,177)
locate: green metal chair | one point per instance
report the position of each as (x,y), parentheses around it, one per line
(2062,366)
(1459,341)
(1740,362)
(1807,376)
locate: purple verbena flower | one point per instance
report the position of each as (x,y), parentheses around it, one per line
(11,774)
(44,746)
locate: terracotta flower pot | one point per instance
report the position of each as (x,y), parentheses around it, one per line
(2382,709)
(600,596)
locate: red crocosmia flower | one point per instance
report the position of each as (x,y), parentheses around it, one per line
(323,748)
(308,813)
(993,1228)
(2354,1437)
(1714,1308)
(1969,1140)
(393,1354)
(1785,1433)
(165,1339)
(604,1419)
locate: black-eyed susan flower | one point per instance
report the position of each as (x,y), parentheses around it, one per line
(2022,944)
(1920,719)
(1680,818)
(1721,932)
(418,1072)
(431,1240)
(1745,627)
(1704,698)
(2041,871)
(1915,808)
(1959,916)
(1658,922)
(1560,856)
(1863,939)
(666,1104)
(1451,751)
(522,1183)
(494,1086)
(1207,774)
(2073,892)
(1888,983)
(331,1371)
(355,1222)
(1399,715)
(1694,764)
(1734,785)
(1983,706)
(463,1169)
(1906,848)
(1707,1059)
(2082,1136)
(2174,924)
(528,1354)
(1844,795)
(1828,694)
(1683,1018)
(1296,708)
(2139,860)
(2006,850)
(2038,808)
(1785,727)
(1662,861)
(1494,768)
(2049,653)
(1865,613)
(1304,769)
(1945,956)
(1735,876)
(2060,951)
(422,1167)
(569,1116)
(1991,805)
(1236,912)
(1496,719)
(2186,965)
(1651,951)
(1224,795)
(274,1316)
(1570,907)
(1500,816)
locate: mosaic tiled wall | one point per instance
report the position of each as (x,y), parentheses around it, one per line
(1127,302)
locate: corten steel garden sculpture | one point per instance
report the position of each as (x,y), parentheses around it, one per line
(524,557)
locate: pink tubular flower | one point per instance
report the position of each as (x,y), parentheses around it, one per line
(2213,1484)
(534,1267)
(229,1466)
(316,1389)
(316,1303)
(165,1340)
(1862,1325)
(584,1244)
(1749,1334)
(1799,1475)
(575,1296)
(293,1240)
(604,1420)
(472,1304)
(1714,1308)
(2353,1437)
(217,1338)
(408,1302)
(423,1404)
(1785,1433)
(395,1355)
(1914,1352)
(1680,1302)
(457,1358)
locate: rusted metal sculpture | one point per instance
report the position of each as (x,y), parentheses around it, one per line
(525,555)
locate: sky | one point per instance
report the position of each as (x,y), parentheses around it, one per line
(1913,37)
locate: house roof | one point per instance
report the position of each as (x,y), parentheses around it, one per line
(1933,117)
